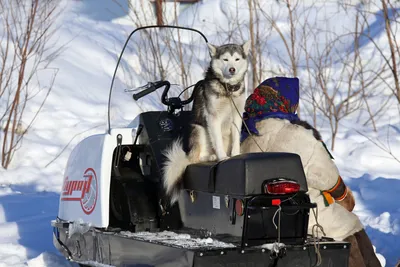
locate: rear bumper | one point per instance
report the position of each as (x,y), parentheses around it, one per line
(122,249)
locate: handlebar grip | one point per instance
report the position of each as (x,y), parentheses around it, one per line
(165,93)
(144,92)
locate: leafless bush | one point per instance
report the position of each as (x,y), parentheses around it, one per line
(293,43)
(289,42)
(391,56)
(344,81)
(163,53)
(255,29)
(25,51)
(336,81)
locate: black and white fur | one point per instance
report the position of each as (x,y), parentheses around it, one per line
(215,128)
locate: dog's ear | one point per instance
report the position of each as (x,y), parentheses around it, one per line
(246,47)
(213,49)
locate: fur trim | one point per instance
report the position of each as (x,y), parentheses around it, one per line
(174,168)
(306,125)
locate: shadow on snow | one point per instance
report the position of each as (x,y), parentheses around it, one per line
(32,211)
(380,198)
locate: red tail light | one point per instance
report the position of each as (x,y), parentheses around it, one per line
(282,187)
(239,207)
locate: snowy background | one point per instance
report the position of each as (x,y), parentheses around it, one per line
(94,31)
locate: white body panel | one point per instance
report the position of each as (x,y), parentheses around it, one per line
(86,188)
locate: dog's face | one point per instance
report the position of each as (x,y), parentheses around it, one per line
(229,62)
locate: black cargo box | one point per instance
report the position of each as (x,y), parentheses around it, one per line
(214,190)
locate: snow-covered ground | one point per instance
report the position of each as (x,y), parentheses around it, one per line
(77,107)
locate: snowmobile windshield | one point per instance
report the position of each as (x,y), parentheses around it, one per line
(151,54)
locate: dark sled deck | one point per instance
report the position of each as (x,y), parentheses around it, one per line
(122,248)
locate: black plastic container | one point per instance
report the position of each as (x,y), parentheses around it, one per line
(229,198)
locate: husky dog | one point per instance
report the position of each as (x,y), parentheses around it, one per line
(215,128)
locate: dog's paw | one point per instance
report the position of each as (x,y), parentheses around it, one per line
(223,158)
(235,153)
(212,157)
(235,149)
(204,158)
(221,155)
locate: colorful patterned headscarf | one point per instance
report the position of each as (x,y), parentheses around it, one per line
(276,97)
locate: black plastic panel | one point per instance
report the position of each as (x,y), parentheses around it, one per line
(209,212)
(200,177)
(216,213)
(332,255)
(160,128)
(261,223)
(244,174)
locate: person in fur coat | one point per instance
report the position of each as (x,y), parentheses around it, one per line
(272,125)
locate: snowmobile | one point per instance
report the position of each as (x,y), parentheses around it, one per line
(249,210)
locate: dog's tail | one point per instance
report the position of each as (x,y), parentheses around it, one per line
(174,167)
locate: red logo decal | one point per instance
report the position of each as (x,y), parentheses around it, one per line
(84,190)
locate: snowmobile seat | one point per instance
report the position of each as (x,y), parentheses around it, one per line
(244,174)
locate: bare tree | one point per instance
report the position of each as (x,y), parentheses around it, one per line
(346,89)
(394,47)
(256,30)
(291,42)
(391,56)
(25,50)
(336,80)
(163,53)
(253,50)
(381,145)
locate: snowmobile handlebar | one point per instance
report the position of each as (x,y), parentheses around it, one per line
(172,102)
(151,87)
